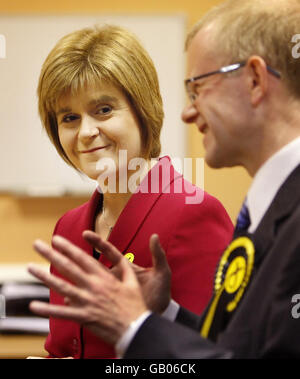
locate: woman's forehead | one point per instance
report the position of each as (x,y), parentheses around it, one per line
(91,94)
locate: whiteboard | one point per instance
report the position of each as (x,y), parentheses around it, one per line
(29,164)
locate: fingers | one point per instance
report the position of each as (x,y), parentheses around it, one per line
(64,265)
(106,248)
(59,285)
(112,254)
(58,311)
(158,254)
(76,254)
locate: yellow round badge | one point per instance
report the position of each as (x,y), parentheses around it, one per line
(232,277)
(130,257)
(235,274)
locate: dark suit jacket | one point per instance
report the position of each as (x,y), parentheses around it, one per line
(262,325)
(193,237)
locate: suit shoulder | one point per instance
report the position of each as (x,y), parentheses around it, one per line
(79,213)
(75,212)
(205,205)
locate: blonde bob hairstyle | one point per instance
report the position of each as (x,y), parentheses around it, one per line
(110,55)
(256,27)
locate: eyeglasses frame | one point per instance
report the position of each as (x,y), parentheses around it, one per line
(223,70)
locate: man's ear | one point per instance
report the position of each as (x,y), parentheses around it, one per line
(257,79)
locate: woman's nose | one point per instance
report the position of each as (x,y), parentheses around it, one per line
(89,128)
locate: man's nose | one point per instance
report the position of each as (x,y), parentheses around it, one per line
(88,128)
(189,114)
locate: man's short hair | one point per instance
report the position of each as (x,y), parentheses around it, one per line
(256,27)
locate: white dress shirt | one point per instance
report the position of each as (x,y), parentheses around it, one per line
(266,183)
(268,180)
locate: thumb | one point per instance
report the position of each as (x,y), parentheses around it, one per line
(158,254)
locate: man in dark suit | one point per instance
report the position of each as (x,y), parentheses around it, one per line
(245,98)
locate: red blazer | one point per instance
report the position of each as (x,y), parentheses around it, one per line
(192,235)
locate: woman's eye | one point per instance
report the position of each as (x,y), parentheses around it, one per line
(69,118)
(104,110)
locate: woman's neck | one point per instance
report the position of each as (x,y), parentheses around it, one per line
(114,203)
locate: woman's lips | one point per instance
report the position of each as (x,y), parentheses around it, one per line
(93,149)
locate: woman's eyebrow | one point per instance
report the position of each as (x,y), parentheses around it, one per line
(104,99)
(101,99)
(63,110)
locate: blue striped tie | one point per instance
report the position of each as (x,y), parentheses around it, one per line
(243,221)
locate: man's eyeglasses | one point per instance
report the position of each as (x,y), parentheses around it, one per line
(223,70)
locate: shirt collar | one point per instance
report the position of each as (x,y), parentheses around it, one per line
(269,179)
